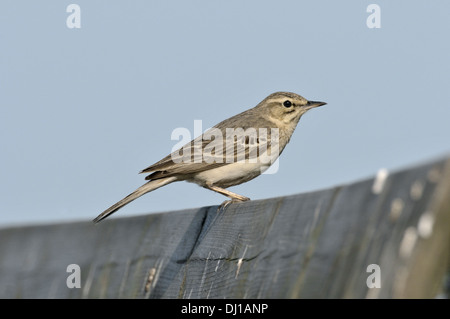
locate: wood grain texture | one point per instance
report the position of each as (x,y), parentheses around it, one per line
(312,245)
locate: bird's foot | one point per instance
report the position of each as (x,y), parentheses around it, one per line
(230,201)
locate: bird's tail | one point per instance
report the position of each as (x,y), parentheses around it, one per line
(148,187)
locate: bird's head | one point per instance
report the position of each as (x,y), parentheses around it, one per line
(286,107)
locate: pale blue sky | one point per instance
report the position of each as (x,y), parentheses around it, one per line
(83,110)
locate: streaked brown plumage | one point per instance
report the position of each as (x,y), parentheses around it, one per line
(280,111)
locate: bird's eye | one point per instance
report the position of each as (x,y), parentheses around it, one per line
(287,103)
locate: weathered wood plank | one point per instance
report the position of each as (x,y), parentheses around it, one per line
(312,245)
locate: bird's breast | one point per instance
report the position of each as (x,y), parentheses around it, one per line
(230,174)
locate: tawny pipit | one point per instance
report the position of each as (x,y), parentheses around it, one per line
(232,152)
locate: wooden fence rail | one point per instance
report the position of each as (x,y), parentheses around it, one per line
(391,231)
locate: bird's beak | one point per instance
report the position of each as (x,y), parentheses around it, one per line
(315,103)
(312,104)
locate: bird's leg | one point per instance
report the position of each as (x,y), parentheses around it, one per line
(234,197)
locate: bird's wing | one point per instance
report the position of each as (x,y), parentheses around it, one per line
(207,152)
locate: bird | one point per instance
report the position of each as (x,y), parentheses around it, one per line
(230,153)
